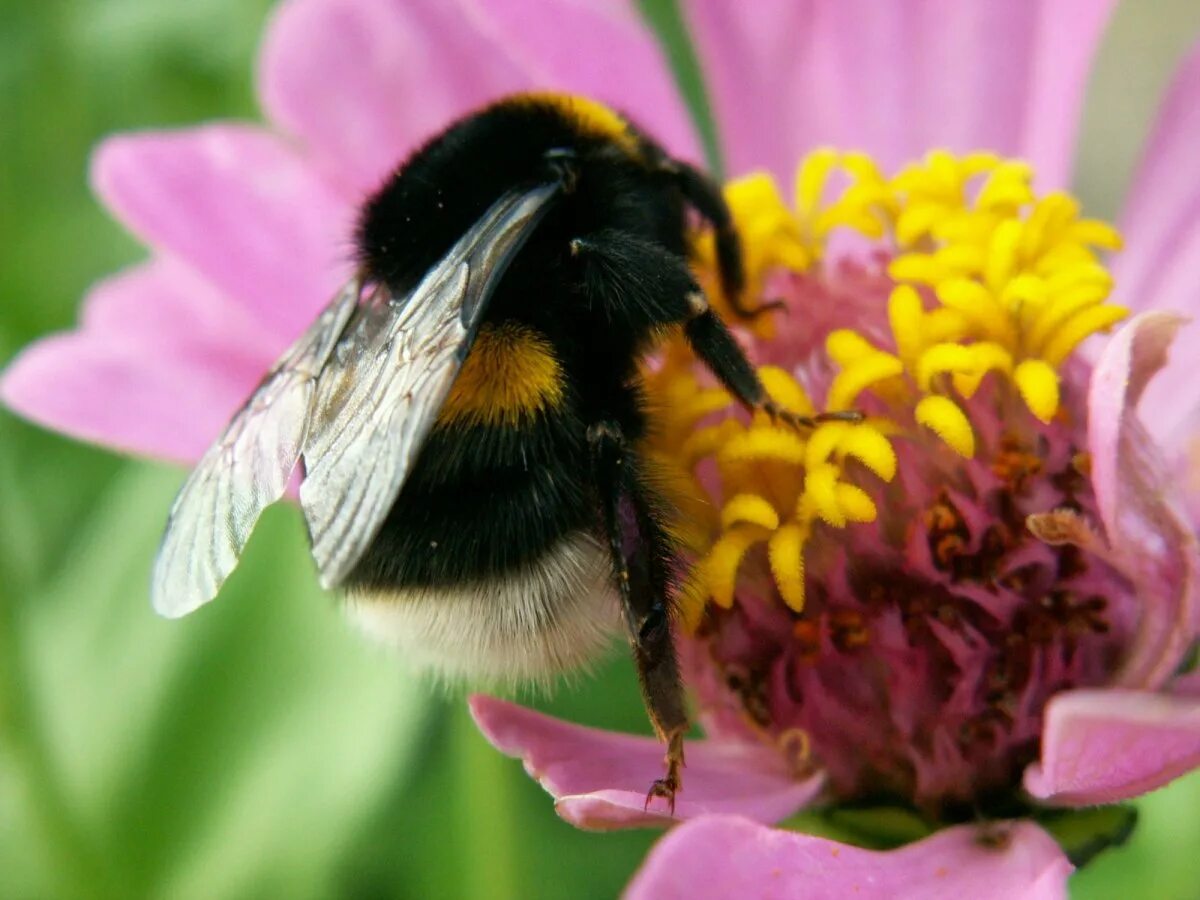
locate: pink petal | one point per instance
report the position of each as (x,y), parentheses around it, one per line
(160,362)
(1160,266)
(599,778)
(1187,685)
(727,856)
(363,83)
(1186,450)
(1104,746)
(603,53)
(1151,537)
(1129,361)
(240,208)
(897,79)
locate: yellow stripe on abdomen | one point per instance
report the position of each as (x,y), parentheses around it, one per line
(510,375)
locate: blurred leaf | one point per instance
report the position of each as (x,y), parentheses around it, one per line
(212,37)
(667,22)
(881,827)
(233,753)
(1085,833)
(1160,858)
(474,824)
(256,749)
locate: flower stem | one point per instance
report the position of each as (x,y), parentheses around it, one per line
(668,25)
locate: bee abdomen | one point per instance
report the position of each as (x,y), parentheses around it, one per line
(553,614)
(511,377)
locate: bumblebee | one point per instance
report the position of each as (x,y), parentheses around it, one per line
(466,412)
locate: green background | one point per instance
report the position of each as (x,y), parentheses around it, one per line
(260,748)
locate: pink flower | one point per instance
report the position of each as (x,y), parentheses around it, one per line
(821,681)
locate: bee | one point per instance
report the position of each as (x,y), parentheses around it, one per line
(466,413)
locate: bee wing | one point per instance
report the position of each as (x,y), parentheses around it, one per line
(382,390)
(245,471)
(354,398)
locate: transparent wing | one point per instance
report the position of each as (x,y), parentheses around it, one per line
(384,385)
(354,397)
(245,471)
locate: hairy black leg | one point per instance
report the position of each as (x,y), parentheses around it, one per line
(643,579)
(655,647)
(705,196)
(636,281)
(644,285)
(719,351)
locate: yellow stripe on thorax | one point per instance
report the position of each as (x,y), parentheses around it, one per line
(510,375)
(589,116)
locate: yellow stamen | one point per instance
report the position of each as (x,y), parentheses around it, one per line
(1072,291)
(985,357)
(867,444)
(820,488)
(704,442)
(856,505)
(946,419)
(785,390)
(703,403)
(824,441)
(1081,325)
(864,373)
(785,552)
(1094,232)
(943,324)
(905,314)
(846,347)
(811,177)
(1038,383)
(979,307)
(778,444)
(941,359)
(994,288)
(749,509)
(721,564)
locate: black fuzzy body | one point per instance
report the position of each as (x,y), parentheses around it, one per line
(484,500)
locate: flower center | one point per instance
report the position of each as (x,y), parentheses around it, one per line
(875,588)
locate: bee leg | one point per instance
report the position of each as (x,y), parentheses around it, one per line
(654,652)
(719,351)
(643,578)
(706,198)
(658,289)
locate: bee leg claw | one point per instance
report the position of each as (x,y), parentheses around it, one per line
(667,786)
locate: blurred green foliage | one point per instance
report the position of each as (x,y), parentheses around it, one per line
(258,748)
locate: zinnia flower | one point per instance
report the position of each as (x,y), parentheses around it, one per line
(978,602)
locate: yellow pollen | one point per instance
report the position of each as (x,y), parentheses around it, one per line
(994,286)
